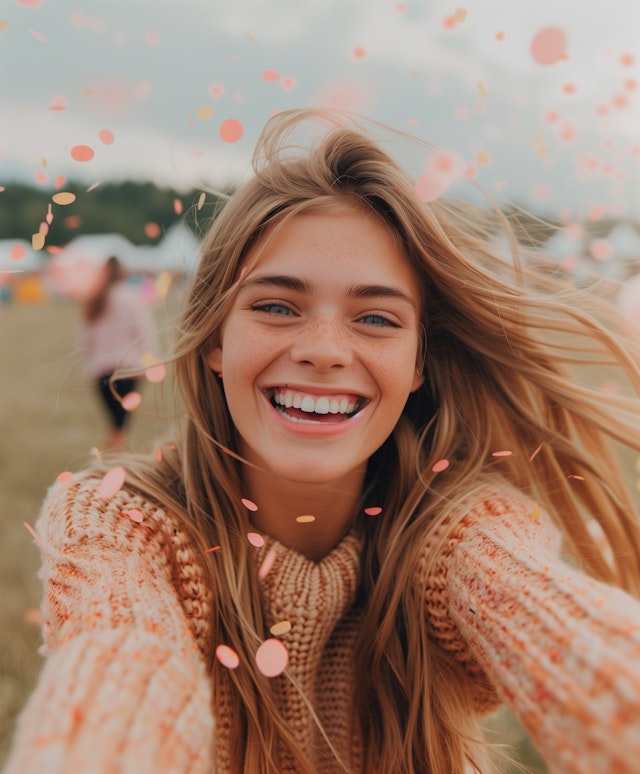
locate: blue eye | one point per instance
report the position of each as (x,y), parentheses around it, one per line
(376,319)
(273,309)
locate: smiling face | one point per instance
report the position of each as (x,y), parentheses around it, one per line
(318,351)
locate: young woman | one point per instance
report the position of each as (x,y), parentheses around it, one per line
(389,509)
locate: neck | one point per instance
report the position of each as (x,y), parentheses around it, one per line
(282,503)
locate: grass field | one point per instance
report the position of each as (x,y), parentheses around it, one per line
(50,420)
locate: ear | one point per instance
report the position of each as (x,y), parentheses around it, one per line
(213,358)
(418,380)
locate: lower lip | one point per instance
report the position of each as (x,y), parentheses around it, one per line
(316,429)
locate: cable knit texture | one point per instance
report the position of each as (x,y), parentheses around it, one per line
(124,686)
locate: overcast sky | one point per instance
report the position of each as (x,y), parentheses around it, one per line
(147,85)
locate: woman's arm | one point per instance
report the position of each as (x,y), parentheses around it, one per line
(562,649)
(124,687)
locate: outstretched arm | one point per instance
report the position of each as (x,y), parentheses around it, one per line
(124,687)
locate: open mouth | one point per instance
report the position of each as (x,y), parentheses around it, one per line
(302,407)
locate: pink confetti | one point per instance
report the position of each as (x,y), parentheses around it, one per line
(212,549)
(272,658)
(131,401)
(536,452)
(111,483)
(249,504)
(267,564)
(440,465)
(178,206)
(62,478)
(157,453)
(255,539)
(29,3)
(428,188)
(134,514)
(549,46)
(106,136)
(152,230)
(156,373)
(501,454)
(374,511)
(270,76)
(358,52)
(578,478)
(82,153)
(231,130)
(227,656)
(33,533)
(38,36)
(17,252)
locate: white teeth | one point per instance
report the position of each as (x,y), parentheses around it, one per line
(312,405)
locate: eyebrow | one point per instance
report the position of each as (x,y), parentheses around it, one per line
(303,286)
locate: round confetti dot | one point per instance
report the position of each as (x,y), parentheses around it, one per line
(272,658)
(63,198)
(231,130)
(152,230)
(429,188)
(255,539)
(306,518)
(549,46)
(106,136)
(227,656)
(156,373)
(358,52)
(17,252)
(82,153)
(267,564)
(63,477)
(249,504)
(282,627)
(131,401)
(216,90)
(270,76)
(504,453)
(204,112)
(134,514)
(440,466)
(111,483)
(376,510)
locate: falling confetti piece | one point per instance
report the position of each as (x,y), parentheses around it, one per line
(63,477)
(82,153)
(578,478)
(156,373)
(111,483)
(34,534)
(177,206)
(272,658)
(270,76)
(231,130)
(549,46)
(306,518)
(536,452)
(267,564)
(37,241)
(212,549)
(375,510)
(131,401)
(282,627)
(255,539)
(106,136)
(57,107)
(227,656)
(93,186)
(63,198)
(288,82)
(460,15)
(216,90)
(501,454)
(29,3)
(358,52)
(201,200)
(96,453)
(33,615)
(18,252)
(482,89)
(134,515)
(157,453)
(38,36)
(499,35)
(249,504)
(204,112)
(440,466)
(152,230)
(428,188)
(535,513)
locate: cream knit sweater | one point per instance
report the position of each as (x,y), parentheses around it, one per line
(124,689)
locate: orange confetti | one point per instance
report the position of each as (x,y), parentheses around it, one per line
(272,658)
(267,564)
(535,513)
(37,241)
(82,153)
(501,453)
(255,539)
(106,136)
(536,452)
(249,504)
(549,46)
(578,478)
(376,510)
(177,206)
(358,52)
(282,627)
(212,549)
(204,112)
(460,15)
(63,198)
(227,656)
(111,483)
(152,230)
(231,130)
(60,181)
(131,401)
(271,76)
(440,466)
(306,518)
(157,453)
(499,35)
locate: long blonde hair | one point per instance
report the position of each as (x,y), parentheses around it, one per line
(499,345)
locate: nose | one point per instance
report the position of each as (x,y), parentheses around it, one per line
(323,343)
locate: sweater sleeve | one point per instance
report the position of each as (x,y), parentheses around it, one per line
(124,687)
(561,649)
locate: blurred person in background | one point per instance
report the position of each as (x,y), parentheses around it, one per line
(117,331)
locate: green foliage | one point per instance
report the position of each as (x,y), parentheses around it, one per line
(123,207)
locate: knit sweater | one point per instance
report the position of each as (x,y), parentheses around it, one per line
(124,688)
